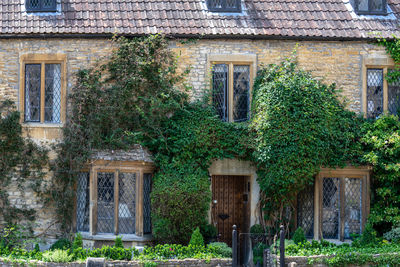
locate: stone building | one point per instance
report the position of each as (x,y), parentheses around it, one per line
(44,42)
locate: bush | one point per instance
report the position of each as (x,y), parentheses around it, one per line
(208,231)
(61,244)
(221,248)
(257,229)
(393,235)
(57,255)
(197,238)
(258,252)
(298,236)
(368,236)
(118,242)
(78,243)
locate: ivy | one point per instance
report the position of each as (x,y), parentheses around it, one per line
(392,47)
(22,162)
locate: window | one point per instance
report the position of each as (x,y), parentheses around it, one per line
(122,197)
(337,205)
(370,7)
(381,95)
(41,5)
(224,5)
(42,88)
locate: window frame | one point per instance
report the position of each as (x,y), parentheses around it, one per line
(361,12)
(53,8)
(231,60)
(115,167)
(385,64)
(43,59)
(224,9)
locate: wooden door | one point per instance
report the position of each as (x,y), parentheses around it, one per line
(229,205)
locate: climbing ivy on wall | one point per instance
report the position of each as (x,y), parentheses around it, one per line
(22,165)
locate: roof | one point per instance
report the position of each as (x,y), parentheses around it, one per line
(332,19)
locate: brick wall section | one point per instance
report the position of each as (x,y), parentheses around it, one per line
(339,62)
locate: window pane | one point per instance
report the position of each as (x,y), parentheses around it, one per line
(353,190)
(33,4)
(363,5)
(32,92)
(374,92)
(330,208)
(241,93)
(46,4)
(105,202)
(127,203)
(52,108)
(146,203)
(376,5)
(305,211)
(82,203)
(220,90)
(394,97)
(231,4)
(215,3)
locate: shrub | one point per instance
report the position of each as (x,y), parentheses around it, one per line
(221,248)
(57,255)
(393,235)
(368,237)
(208,231)
(78,243)
(257,229)
(118,242)
(197,238)
(62,243)
(298,236)
(258,252)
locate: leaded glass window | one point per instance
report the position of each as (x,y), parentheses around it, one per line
(32,92)
(41,5)
(105,202)
(305,211)
(370,7)
(52,91)
(82,201)
(374,92)
(241,92)
(127,203)
(147,203)
(330,208)
(394,97)
(224,5)
(220,90)
(353,206)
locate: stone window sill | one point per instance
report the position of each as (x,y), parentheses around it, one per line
(111,237)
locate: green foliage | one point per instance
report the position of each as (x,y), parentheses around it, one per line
(298,236)
(300,125)
(15,236)
(208,231)
(392,47)
(258,252)
(61,244)
(197,238)
(368,236)
(221,248)
(257,229)
(21,159)
(381,142)
(78,242)
(57,255)
(393,235)
(118,242)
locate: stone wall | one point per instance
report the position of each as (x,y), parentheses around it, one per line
(170,263)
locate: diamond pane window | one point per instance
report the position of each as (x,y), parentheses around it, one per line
(370,7)
(305,211)
(241,92)
(82,202)
(41,5)
(353,206)
(330,208)
(52,90)
(105,202)
(224,5)
(127,203)
(394,97)
(147,203)
(374,92)
(220,90)
(32,92)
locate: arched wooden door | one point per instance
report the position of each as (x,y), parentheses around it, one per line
(229,205)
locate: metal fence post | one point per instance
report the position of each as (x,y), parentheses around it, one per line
(282,247)
(234,247)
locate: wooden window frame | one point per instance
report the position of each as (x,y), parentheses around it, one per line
(43,59)
(53,8)
(362,12)
(231,60)
(347,172)
(115,167)
(224,9)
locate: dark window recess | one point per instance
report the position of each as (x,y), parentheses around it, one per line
(374,92)
(370,7)
(41,5)
(147,203)
(220,90)
(305,211)
(224,5)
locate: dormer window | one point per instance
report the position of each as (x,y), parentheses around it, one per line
(370,7)
(41,5)
(224,5)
